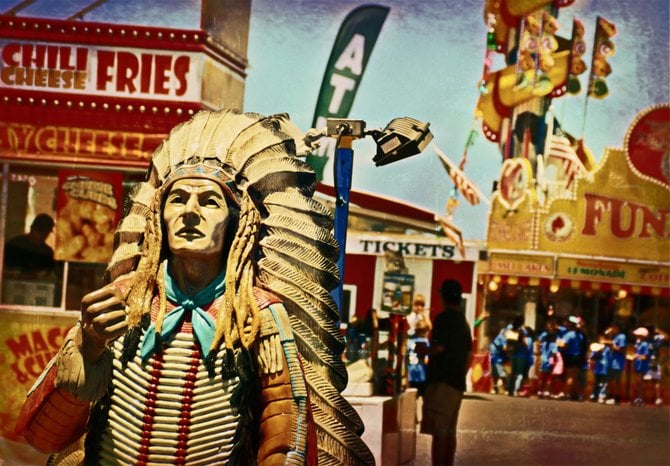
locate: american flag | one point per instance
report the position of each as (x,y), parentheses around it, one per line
(561,154)
(452,232)
(463,184)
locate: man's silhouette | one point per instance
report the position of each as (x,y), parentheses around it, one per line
(29,254)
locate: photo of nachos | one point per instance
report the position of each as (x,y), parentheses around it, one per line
(86,220)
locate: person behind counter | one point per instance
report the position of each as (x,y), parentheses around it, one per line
(28,254)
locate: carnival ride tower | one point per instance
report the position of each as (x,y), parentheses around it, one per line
(539,66)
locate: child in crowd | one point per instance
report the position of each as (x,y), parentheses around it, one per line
(529,373)
(617,364)
(658,339)
(559,367)
(574,354)
(518,354)
(498,359)
(600,357)
(642,359)
(548,351)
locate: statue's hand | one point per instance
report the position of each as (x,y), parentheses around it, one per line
(103,319)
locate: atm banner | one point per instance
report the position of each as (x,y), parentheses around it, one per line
(348,59)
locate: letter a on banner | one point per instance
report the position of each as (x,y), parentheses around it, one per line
(350,54)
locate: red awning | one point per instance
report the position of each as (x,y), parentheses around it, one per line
(384,204)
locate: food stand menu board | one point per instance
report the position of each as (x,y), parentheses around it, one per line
(398,293)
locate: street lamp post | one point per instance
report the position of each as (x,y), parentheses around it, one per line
(401,138)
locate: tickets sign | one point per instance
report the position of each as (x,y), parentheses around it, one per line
(105,71)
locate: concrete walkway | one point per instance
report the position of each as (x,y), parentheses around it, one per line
(497,430)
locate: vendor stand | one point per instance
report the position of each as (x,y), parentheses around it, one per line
(82,107)
(600,253)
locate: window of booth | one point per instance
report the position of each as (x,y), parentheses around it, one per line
(56,238)
(598,308)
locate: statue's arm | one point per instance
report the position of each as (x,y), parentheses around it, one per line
(56,410)
(287,431)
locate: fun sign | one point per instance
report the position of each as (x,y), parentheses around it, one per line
(119,72)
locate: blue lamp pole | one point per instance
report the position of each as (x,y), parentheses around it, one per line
(344,166)
(402,137)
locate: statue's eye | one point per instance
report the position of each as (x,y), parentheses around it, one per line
(176,198)
(210,200)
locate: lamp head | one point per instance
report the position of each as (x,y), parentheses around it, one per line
(402,138)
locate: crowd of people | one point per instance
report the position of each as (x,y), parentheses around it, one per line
(555,363)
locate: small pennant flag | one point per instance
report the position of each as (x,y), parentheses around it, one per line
(462,183)
(577,63)
(452,232)
(562,154)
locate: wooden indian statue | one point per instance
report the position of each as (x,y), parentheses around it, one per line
(216,340)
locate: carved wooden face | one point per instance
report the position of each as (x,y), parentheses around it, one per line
(195,216)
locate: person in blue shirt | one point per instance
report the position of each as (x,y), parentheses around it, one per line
(518,354)
(584,355)
(573,357)
(548,350)
(600,357)
(641,363)
(498,360)
(618,363)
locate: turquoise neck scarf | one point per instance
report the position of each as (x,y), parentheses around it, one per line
(203,324)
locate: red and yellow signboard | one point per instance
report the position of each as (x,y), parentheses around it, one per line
(70,141)
(616,213)
(613,272)
(621,210)
(28,340)
(521,264)
(106,94)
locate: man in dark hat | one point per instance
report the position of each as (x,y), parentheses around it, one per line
(29,254)
(450,358)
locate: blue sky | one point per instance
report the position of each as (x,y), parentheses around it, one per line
(426,64)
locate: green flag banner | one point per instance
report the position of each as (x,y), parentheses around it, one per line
(349,57)
(603,49)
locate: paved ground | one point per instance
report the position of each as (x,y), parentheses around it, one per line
(496,430)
